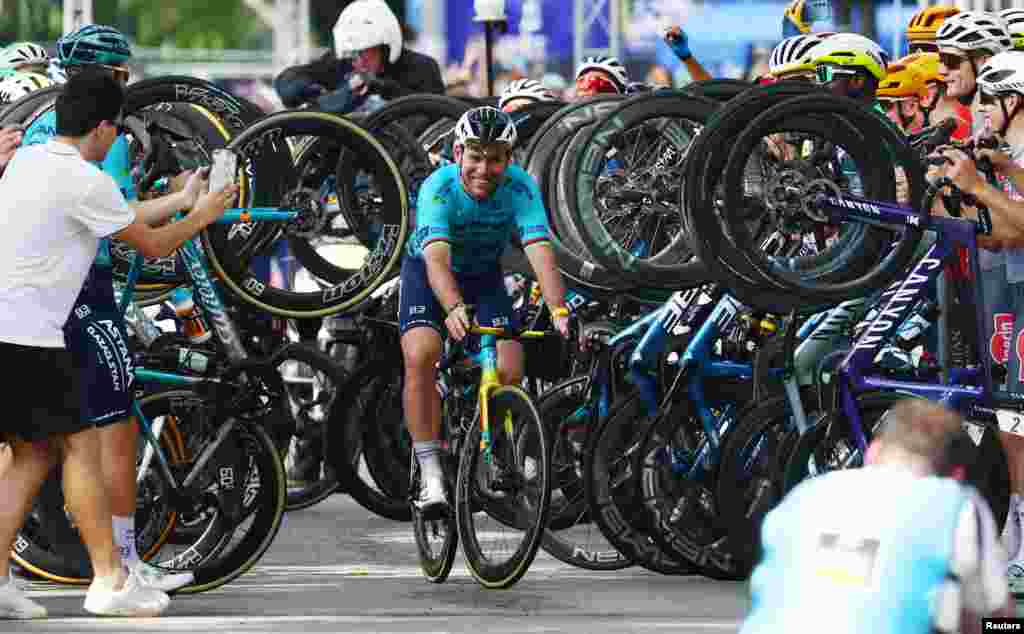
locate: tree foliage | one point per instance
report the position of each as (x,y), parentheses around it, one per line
(180,23)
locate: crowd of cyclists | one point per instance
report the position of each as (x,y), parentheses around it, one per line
(965,70)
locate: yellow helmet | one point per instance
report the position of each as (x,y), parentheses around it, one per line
(851,50)
(926,65)
(926,22)
(902,81)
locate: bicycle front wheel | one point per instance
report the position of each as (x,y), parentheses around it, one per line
(508,480)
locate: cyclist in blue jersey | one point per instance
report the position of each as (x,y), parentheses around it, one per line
(895,547)
(466,214)
(107,402)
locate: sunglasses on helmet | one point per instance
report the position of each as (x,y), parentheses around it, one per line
(826,73)
(596,83)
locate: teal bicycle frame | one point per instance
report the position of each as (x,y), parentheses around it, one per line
(211,305)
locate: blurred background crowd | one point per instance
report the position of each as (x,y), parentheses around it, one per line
(243,44)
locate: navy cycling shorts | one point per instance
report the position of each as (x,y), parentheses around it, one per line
(98,342)
(418,306)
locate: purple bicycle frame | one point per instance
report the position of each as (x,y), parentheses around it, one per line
(899,299)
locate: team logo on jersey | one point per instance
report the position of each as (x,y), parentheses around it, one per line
(846,560)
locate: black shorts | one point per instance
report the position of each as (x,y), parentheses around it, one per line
(96,338)
(41,393)
(418,306)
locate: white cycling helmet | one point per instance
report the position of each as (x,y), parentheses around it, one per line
(1014,19)
(974,31)
(611,66)
(1003,73)
(791,54)
(365,24)
(21,53)
(485,125)
(16,86)
(524,89)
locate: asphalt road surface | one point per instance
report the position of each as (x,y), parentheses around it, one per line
(338,568)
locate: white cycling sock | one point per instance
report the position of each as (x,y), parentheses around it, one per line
(124,537)
(428,454)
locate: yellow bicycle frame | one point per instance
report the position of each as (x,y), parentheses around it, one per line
(489,380)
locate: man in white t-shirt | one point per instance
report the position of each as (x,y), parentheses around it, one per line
(54,208)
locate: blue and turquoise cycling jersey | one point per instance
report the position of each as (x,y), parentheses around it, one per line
(858,551)
(478,231)
(117,164)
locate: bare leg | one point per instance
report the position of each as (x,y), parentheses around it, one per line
(27,469)
(510,362)
(87,498)
(119,446)
(421,350)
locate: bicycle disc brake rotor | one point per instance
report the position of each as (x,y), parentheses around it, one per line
(312,217)
(789,194)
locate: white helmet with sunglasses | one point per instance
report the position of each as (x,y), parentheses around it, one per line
(610,66)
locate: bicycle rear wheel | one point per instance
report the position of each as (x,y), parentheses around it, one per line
(231,250)
(512,484)
(848,268)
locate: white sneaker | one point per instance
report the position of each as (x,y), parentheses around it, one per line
(15,605)
(159,579)
(133,599)
(433,500)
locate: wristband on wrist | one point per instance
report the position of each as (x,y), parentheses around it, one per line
(458,305)
(560,311)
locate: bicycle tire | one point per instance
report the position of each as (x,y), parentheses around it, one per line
(269,511)
(555,406)
(674,251)
(619,514)
(363,388)
(699,192)
(378,267)
(531,117)
(555,131)
(739,518)
(69,562)
(435,569)
(720,90)
(815,113)
(232,113)
(417,112)
(170,270)
(26,110)
(490,575)
(689,532)
(306,497)
(588,161)
(730,261)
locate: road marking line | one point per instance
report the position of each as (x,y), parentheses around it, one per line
(184,623)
